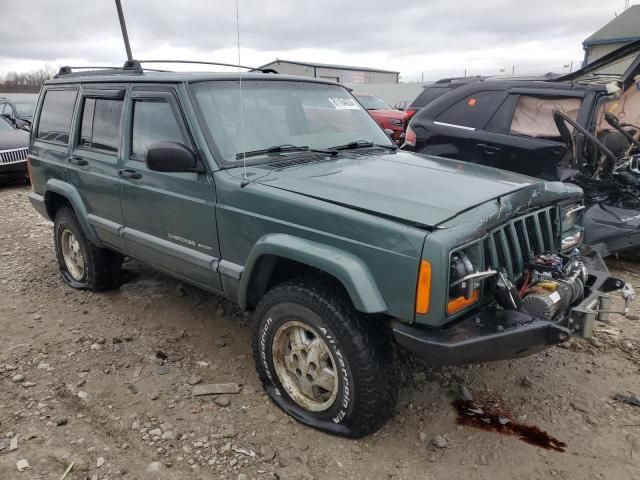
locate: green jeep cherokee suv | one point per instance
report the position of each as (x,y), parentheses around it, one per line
(283,195)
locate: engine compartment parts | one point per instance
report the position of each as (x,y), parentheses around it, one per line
(549,286)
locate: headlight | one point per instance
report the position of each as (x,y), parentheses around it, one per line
(572,229)
(464,289)
(465,279)
(395,121)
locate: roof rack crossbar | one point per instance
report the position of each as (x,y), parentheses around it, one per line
(217,64)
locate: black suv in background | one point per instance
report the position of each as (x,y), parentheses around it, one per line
(581,128)
(18,113)
(436,90)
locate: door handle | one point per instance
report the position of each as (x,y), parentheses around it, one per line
(81,162)
(127,173)
(489,149)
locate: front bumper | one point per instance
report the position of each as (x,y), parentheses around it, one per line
(13,169)
(497,334)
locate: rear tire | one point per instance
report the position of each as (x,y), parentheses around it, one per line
(83,265)
(321,361)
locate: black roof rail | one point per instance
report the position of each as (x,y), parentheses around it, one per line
(218,64)
(135,66)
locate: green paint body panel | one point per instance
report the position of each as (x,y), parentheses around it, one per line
(366,217)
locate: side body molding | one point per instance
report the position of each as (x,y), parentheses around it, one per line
(346,267)
(69,192)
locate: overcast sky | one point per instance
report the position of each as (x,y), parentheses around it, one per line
(437,37)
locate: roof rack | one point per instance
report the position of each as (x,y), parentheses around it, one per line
(135,67)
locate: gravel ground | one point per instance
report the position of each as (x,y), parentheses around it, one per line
(105,381)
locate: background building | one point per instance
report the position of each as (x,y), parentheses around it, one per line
(623,29)
(337,73)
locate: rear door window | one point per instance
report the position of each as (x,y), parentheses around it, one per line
(100,129)
(474,110)
(533,115)
(55,118)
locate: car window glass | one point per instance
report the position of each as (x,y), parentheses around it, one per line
(87,122)
(474,110)
(154,121)
(100,128)
(428,95)
(500,121)
(55,119)
(533,116)
(4,125)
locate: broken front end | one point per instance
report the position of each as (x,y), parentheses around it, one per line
(523,285)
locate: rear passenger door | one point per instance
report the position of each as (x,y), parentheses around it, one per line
(93,163)
(521,136)
(454,124)
(169,217)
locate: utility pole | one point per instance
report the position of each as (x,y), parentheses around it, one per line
(513,70)
(422,78)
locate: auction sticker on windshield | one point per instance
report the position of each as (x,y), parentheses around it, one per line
(344,103)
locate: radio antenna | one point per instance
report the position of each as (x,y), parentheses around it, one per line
(123,27)
(244,157)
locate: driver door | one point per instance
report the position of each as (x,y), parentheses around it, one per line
(170,218)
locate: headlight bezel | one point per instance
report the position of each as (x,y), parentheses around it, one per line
(571,226)
(457,305)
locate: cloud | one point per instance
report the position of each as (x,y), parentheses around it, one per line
(412,36)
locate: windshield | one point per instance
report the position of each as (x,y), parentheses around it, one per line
(372,103)
(312,115)
(25,109)
(4,125)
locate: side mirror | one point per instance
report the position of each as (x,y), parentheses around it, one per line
(172,157)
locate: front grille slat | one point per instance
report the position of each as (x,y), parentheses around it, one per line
(14,155)
(538,233)
(493,252)
(517,252)
(506,253)
(548,230)
(517,242)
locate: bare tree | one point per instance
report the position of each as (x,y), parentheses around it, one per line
(26,82)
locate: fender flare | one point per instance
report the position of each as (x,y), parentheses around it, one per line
(69,192)
(344,266)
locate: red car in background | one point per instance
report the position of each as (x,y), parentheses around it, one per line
(385,115)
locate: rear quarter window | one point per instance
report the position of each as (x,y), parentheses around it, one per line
(474,110)
(56,114)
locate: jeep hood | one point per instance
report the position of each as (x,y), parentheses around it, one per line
(416,189)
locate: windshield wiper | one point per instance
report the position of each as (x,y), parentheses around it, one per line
(282,149)
(362,144)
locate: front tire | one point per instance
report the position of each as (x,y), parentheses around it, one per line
(321,361)
(83,265)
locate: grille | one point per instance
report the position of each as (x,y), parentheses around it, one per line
(521,239)
(13,156)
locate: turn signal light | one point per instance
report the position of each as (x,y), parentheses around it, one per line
(457,304)
(423,294)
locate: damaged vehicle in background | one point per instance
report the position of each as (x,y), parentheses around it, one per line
(581,128)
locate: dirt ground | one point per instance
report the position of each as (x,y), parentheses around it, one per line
(105,381)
